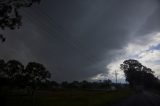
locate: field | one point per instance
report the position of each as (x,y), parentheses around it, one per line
(68,98)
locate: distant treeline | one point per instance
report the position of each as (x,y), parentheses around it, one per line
(96,85)
(33,76)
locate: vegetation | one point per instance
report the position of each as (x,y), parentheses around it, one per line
(14,75)
(69,98)
(17,78)
(106,84)
(31,85)
(138,75)
(9,13)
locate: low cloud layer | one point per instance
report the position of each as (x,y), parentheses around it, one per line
(145,49)
(83,39)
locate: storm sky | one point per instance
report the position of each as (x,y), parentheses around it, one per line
(86,39)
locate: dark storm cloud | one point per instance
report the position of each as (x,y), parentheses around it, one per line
(152,23)
(74,38)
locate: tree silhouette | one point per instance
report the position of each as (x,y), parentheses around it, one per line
(85,84)
(65,84)
(137,74)
(9,13)
(3,77)
(36,74)
(15,73)
(13,69)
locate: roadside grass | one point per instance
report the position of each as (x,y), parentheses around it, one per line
(69,98)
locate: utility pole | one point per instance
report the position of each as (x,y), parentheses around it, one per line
(116,75)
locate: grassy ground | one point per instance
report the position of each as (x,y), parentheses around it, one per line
(69,98)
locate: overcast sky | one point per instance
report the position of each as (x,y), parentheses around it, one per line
(87,39)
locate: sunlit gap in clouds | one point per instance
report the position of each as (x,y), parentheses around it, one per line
(145,49)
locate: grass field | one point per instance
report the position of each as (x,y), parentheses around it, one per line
(69,98)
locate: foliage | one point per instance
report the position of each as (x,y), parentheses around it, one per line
(36,74)
(3,79)
(9,13)
(137,74)
(14,74)
(106,84)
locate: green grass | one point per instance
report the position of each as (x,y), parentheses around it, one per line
(69,98)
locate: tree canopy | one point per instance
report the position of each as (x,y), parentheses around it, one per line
(9,13)
(13,73)
(137,74)
(36,73)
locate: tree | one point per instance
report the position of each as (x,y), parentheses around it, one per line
(15,73)
(74,84)
(137,74)
(85,84)
(14,68)
(3,81)
(3,78)
(9,13)
(2,67)
(36,74)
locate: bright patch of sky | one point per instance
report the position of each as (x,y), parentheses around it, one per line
(145,49)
